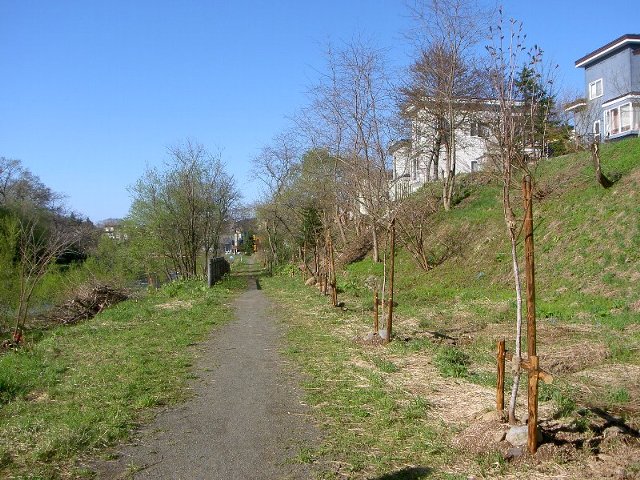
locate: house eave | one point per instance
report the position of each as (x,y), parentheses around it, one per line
(575,105)
(621,98)
(608,48)
(397,145)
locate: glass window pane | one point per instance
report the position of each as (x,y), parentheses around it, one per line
(625,117)
(595,89)
(615,121)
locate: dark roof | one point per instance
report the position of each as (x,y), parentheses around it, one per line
(618,42)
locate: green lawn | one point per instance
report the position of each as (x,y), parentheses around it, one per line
(402,410)
(85,387)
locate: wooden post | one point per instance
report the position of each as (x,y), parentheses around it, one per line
(532,404)
(529,265)
(376,326)
(332,272)
(323,263)
(500,383)
(210,272)
(392,271)
(534,367)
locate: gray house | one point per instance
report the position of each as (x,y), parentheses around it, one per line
(611,107)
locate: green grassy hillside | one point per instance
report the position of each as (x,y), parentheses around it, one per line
(449,318)
(587,245)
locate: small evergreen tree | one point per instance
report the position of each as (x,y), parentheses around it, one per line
(542,127)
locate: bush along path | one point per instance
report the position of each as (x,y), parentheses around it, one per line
(245,419)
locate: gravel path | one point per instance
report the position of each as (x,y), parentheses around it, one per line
(246,420)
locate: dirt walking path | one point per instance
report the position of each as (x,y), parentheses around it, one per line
(246,420)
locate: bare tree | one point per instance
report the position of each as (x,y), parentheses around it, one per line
(413,219)
(588,132)
(35,232)
(518,136)
(18,186)
(185,206)
(350,118)
(39,242)
(445,83)
(277,166)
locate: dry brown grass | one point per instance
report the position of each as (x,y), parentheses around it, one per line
(573,358)
(575,353)
(175,305)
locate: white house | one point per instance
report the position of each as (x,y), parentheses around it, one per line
(112,229)
(421,159)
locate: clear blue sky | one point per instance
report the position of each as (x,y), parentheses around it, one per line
(93,91)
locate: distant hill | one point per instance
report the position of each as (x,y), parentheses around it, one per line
(108,221)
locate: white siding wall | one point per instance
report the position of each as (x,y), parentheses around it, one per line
(410,160)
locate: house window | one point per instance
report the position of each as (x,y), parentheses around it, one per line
(618,119)
(474,166)
(595,89)
(414,169)
(479,129)
(625,117)
(596,131)
(612,117)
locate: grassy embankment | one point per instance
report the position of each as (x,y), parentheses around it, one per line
(81,388)
(417,407)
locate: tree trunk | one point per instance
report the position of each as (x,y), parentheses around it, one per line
(272,249)
(448,181)
(518,347)
(446,192)
(600,177)
(432,163)
(343,236)
(304,260)
(376,250)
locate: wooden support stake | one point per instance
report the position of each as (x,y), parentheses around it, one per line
(529,266)
(332,272)
(376,326)
(325,264)
(392,271)
(500,385)
(534,366)
(316,261)
(532,403)
(525,364)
